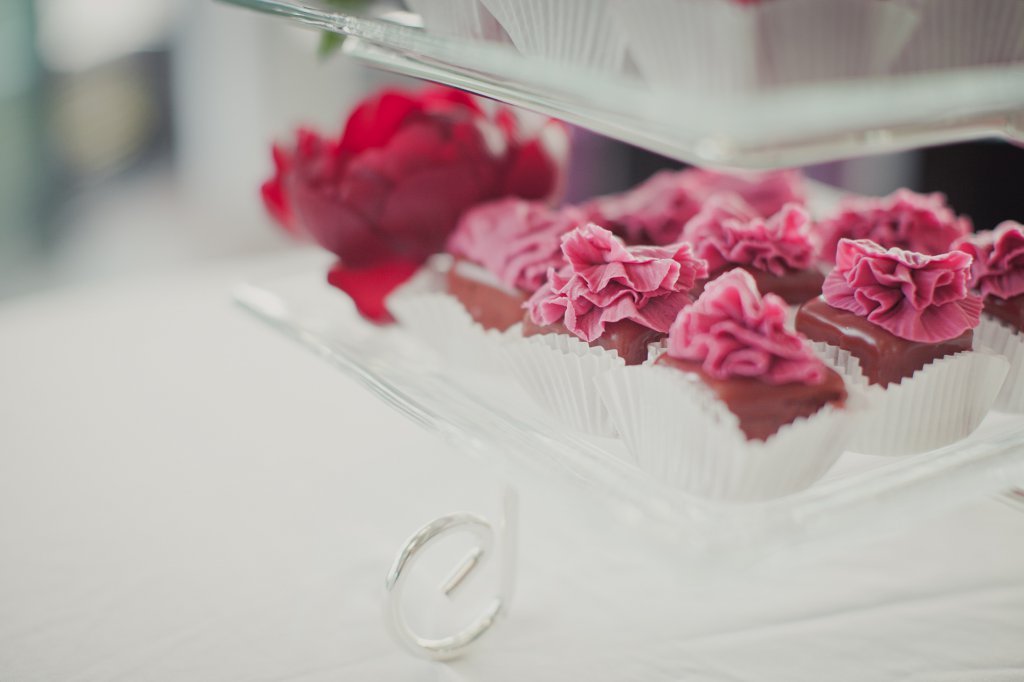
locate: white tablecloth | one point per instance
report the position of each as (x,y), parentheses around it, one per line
(186,495)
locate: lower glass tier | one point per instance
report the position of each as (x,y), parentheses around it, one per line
(492,419)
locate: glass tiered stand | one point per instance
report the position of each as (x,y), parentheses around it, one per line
(489,419)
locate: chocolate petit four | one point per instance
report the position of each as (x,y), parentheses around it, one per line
(884,357)
(612,296)
(778,251)
(655,211)
(737,344)
(922,223)
(502,252)
(629,339)
(766,192)
(997,271)
(1009,311)
(895,311)
(488,302)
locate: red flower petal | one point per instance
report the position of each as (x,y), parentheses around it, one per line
(274,197)
(369,287)
(532,173)
(377,119)
(440,98)
(338,226)
(422,209)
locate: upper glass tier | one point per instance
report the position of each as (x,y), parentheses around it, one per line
(746,107)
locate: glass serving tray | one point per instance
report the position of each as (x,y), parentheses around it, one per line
(760,128)
(490,418)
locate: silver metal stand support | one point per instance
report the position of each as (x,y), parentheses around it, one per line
(494,542)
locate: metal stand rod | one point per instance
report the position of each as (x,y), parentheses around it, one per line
(489,543)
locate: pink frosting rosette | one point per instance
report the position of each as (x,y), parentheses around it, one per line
(911,295)
(516,240)
(734,331)
(916,222)
(657,210)
(728,232)
(766,193)
(653,212)
(606,281)
(998,265)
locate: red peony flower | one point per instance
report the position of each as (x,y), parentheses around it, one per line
(407,165)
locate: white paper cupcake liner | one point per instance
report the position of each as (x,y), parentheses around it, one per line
(655,350)
(558,371)
(954,34)
(422,306)
(574,31)
(459,18)
(723,46)
(680,433)
(940,404)
(705,45)
(1001,339)
(819,40)
(842,361)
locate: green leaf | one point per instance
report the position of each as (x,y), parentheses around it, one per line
(329,44)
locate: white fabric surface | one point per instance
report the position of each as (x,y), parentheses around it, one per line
(186,495)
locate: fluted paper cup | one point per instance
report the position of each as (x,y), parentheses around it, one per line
(578,32)
(678,431)
(956,34)
(459,19)
(655,350)
(423,307)
(558,371)
(941,403)
(700,45)
(1001,339)
(805,41)
(722,46)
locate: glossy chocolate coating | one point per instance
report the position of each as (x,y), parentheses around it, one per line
(625,337)
(492,307)
(1009,311)
(884,358)
(794,287)
(764,408)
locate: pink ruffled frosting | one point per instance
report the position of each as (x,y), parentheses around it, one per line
(653,212)
(766,192)
(606,282)
(734,331)
(998,265)
(904,219)
(516,240)
(657,210)
(911,295)
(728,232)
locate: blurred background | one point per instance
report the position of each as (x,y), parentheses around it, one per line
(134,135)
